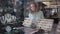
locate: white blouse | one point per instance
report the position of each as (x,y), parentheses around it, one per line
(35,16)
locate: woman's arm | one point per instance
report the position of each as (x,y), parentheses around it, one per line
(42,16)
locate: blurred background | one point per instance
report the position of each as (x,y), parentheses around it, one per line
(18,10)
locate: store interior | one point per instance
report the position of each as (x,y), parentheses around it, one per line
(14,17)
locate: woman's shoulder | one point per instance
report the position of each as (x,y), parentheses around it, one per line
(40,12)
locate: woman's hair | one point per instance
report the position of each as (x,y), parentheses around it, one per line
(36,5)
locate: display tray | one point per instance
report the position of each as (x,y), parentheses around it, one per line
(45,24)
(58,27)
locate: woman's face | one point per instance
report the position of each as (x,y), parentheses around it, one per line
(33,7)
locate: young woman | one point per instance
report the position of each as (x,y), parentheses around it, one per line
(34,12)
